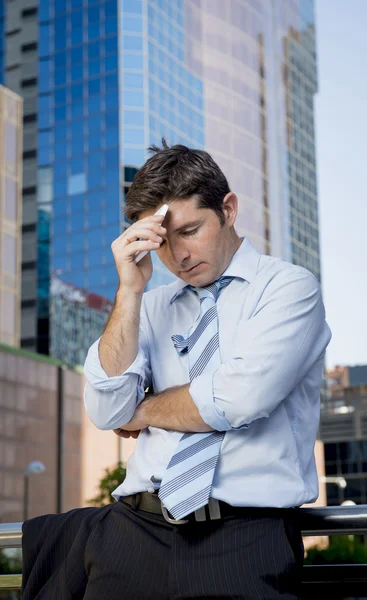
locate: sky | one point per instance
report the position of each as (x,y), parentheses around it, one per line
(341,151)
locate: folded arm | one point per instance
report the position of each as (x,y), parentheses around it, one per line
(273,351)
(173,409)
(276,348)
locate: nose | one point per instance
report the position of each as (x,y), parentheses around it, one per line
(179,253)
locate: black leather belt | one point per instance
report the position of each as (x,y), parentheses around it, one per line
(216,509)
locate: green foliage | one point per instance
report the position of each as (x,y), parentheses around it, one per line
(10,562)
(109,482)
(342,550)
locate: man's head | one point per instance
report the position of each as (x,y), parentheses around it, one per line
(201,239)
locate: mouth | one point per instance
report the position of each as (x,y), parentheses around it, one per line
(192,269)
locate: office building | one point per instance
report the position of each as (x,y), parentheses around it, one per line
(343,429)
(341,377)
(10,215)
(102,80)
(19,63)
(43,419)
(76,311)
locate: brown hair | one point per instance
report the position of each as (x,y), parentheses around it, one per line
(177,173)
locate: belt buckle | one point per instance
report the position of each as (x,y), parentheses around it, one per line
(172,521)
(200,514)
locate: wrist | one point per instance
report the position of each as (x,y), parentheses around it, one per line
(144,411)
(125,296)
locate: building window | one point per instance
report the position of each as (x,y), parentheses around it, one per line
(29,154)
(26,83)
(28,228)
(30,118)
(29,266)
(29,191)
(28,303)
(29,12)
(29,47)
(77,184)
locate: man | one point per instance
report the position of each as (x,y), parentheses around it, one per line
(253,410)
(232,352)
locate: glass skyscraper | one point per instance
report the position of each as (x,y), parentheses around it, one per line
(235,77)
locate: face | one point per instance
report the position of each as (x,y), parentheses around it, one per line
(197,247)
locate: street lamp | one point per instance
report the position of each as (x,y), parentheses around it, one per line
(339,481)
(349,503)
(34,468)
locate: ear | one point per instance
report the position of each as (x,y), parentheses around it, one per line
(230,208)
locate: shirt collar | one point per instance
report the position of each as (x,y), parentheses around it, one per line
(244,265)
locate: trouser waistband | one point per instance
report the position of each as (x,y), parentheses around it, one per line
(216,509)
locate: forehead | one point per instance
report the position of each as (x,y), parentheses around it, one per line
(179,212)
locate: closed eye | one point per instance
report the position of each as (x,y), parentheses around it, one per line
(191,232)
(186,233)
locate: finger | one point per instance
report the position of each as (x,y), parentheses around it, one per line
(147,223)
(127,248)
(135,233)
(141,228)
(143,234)
(126,434)
(131,250)
(122,433)
(156,218)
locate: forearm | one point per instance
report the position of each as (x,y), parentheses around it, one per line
(108,409)
(172,409)
(119,343)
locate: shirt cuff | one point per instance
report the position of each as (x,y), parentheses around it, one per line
(98,378)
(201,391)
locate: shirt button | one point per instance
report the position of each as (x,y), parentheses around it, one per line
(151,490)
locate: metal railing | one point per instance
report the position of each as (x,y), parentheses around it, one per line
(335,580)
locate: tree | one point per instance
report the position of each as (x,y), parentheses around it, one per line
(112,478)
(10,562)
(341,550)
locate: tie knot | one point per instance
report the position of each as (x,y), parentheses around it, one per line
(213,290)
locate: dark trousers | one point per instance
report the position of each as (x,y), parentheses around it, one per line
(119,553)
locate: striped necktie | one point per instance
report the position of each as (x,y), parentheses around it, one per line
(188,479)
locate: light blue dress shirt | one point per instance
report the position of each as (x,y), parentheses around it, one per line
(265,395)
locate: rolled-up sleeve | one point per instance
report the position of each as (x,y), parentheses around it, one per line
(275,349)
(110,402)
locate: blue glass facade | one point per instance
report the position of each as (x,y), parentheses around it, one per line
(175,93)
(168,102)
(176,102)
(78,160)
(133,84)
(301,85)
(112,81)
